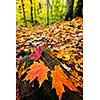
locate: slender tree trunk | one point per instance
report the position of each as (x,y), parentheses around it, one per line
(78,10)
(40,6)
(69,9)
(52,10)
(31,12)
(24,13)
(35,13)
(47,2)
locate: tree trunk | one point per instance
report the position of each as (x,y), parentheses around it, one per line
(23,13)
(35,16)
(78,11)
(69,9)
(47,2)
(31,12)
(52,10)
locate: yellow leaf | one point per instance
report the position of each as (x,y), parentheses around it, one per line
(66,57)
(22,70)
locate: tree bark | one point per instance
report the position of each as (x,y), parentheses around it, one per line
(31,12)
(79,9)
(24,13)
(48,5)
(35,16)
(69,9)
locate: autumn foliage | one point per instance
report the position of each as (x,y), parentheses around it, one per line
(37,70)
(50,59)
(60,78)
(36,55)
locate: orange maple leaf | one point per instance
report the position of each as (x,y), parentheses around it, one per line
(60,78)
(37,70)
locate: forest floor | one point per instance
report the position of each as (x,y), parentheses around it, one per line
(49,61)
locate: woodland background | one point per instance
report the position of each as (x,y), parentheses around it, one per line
(49,50)
(31,12)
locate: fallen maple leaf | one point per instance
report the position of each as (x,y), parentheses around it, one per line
(60,78)
(36,55)
(37,70)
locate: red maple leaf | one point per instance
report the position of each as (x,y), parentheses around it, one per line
(36,55)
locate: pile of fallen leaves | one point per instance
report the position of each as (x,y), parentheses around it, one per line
(49,61)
